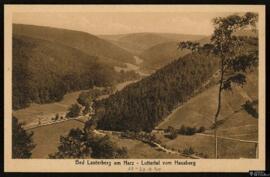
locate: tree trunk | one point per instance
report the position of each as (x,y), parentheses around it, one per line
(219,106)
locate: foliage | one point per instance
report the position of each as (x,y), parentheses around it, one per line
(104,148)
(22,143)
(44,71)
(249,108)
(235,58)
(73,146)
(86,109)
(184,130)
(141,136)
(73,111)
(188,151)
(56,116)
(85,144)
(171,132)
(142,105)
(187,130)
(84,99)
(201,129)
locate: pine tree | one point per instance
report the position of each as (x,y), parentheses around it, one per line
(22,143)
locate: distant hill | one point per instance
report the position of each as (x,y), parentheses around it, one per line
(107,52)
(161,54)
(138,42)
(44,71)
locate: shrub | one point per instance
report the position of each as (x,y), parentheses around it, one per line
(171,132)
(190,130)
(188,151)
(248,107)
(74,111)
(201,129)
(56,117)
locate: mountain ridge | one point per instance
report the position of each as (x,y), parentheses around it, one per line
(83,41)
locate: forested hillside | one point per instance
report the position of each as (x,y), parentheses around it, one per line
(159,55)
(89,44)
(43,71)
(141,106)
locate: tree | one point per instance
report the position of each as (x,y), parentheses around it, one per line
(22,143)
(234,58)
(56,116)
(86,144)
(172,132)
(74,111)
(72,146)
(85,98)
(104,148)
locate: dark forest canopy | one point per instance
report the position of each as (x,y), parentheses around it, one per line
(45,71)
(142,105)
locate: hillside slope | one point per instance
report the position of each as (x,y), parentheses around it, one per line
(136,43)
(44,71)
(161,54)
(196,114)
(142,105)
(89,44)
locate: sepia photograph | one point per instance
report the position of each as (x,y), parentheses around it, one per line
(95,84)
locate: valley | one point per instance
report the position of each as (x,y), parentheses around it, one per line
(156,86)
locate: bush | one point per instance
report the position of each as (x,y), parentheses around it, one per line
(74,111)
(188,151)
(248,107)
(171,132)
(86,110)
(190,130)
(56,117)
(201,129)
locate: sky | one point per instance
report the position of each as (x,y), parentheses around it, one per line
(123,22)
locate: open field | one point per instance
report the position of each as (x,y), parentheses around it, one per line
(205,145)
(137,149)
(31,113)
(47,138)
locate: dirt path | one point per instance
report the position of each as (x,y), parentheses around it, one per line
(33,126)
(227,138)
(157,145)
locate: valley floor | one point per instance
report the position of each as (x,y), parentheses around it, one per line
(237,135)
